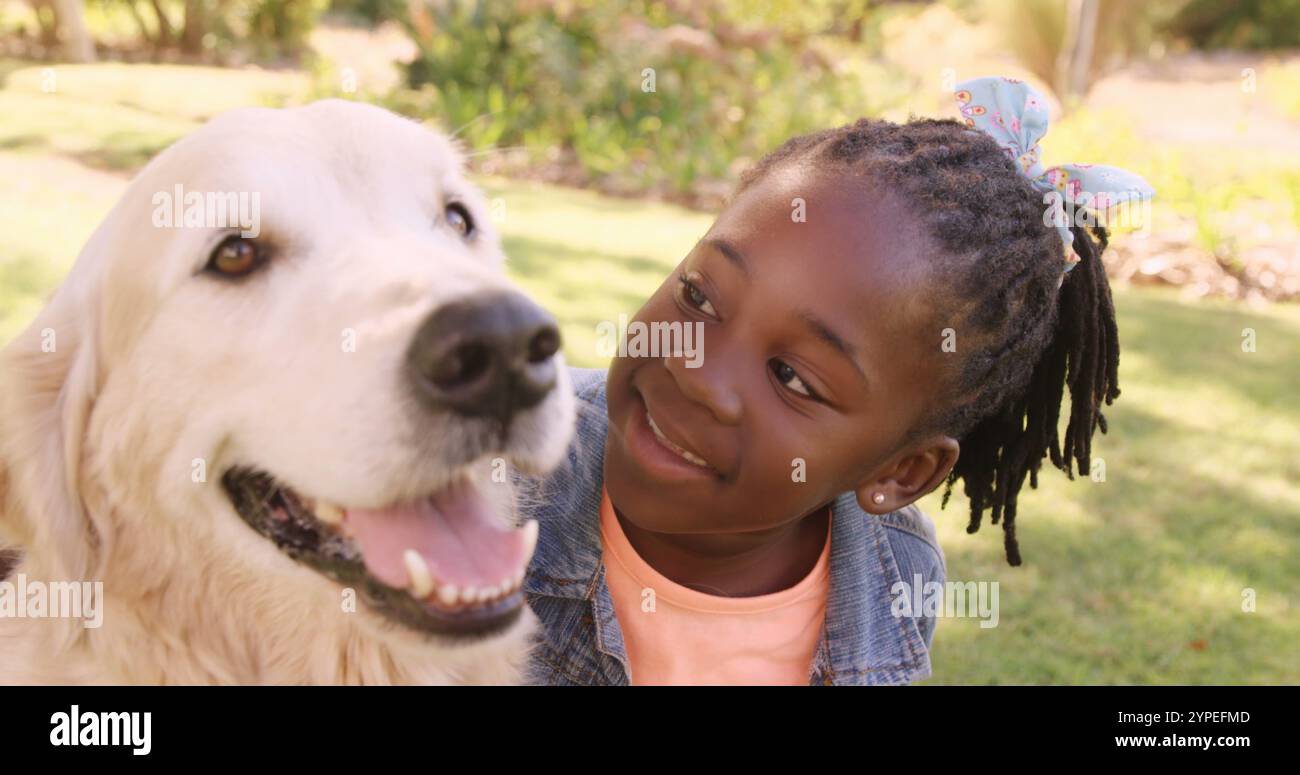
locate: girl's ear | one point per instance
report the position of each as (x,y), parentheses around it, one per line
(910,477)
(48,383)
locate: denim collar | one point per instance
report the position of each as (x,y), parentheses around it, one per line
(862,642)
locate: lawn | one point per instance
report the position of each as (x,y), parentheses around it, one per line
(1135,579)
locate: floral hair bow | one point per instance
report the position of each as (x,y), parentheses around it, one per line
(1015,115)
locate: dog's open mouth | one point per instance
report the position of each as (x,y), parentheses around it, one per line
(445,564)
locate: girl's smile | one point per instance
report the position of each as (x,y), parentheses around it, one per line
(680,450)
(647,440)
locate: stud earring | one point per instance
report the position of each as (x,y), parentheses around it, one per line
(878,498)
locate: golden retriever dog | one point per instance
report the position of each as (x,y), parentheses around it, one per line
(279,441)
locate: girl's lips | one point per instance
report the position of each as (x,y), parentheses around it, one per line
(655,455)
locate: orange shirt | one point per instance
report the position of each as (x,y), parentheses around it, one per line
(678,635)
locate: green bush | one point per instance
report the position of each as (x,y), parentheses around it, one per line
(207,30)
(1250,24)
(373,11)
(281,26)
(640,96)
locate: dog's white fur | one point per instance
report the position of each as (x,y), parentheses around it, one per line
(156,365)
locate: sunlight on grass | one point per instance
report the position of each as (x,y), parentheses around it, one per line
(590,258)
(1139,578)
(167,91)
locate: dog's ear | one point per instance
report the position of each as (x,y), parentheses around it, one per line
(9,559)
(7,554)
(48,382)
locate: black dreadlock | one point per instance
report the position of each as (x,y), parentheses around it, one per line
(1023,337)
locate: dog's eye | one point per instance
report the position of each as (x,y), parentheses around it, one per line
(235,257)
(459,220)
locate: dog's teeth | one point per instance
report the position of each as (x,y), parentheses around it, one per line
(421,579)
(448,594)
(530,529)
(506,585)
(329,513)
(519,576)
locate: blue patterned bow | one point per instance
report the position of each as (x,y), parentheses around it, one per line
(1015,115)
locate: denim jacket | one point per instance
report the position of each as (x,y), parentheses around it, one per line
(580,642)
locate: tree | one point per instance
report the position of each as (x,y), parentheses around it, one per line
(69,28)
(1074,61)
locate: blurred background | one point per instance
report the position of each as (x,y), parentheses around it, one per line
(607,133)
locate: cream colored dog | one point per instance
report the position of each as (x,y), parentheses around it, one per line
(276,438)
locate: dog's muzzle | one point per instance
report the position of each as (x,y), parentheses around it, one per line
(444,563)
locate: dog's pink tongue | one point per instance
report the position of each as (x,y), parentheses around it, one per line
(456,532)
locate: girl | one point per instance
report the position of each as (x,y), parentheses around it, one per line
(885,308)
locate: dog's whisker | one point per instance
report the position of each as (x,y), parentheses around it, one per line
(503,149)
(474,121)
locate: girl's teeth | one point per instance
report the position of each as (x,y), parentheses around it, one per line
(696,460)
(688,456)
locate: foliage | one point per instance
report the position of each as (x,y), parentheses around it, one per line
(1246,24)
(206,30)
(1035,31)
(373,11)
(639,92)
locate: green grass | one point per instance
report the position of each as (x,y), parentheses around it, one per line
(1135,579)
(1139,578)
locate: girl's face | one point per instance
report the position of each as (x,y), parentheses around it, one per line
(818,354)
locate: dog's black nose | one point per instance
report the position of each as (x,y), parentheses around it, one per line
(484,356)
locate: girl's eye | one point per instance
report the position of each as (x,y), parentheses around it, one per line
(695,297)
(786,375)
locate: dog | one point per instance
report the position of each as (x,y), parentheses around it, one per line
(278,444)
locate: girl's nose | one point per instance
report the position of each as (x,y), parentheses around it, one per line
(711,384)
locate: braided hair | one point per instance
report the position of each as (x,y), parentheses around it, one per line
(1024,333)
